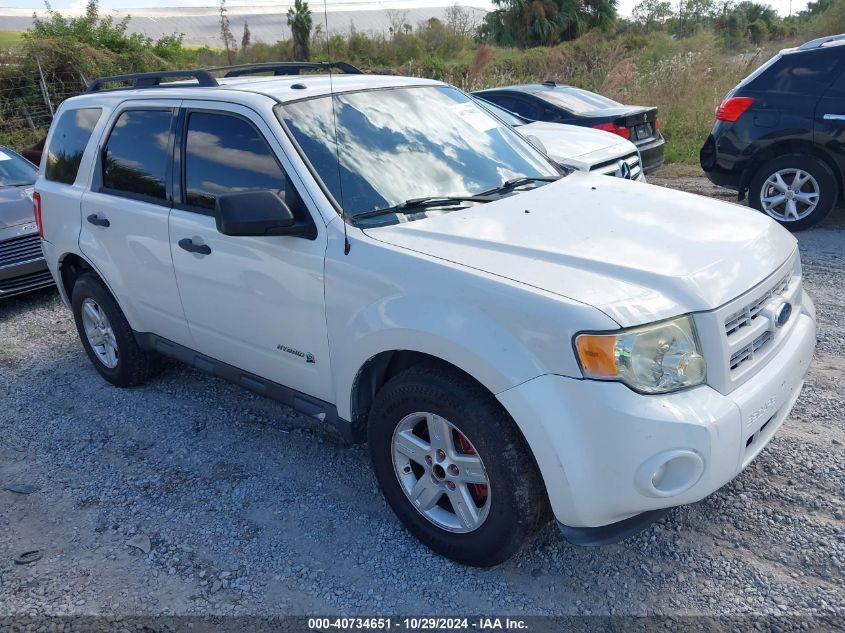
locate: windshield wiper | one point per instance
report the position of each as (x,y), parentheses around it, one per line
(415,204)
(518,182)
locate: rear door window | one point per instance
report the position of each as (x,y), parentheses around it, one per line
(225,153)
(136,156)
(71,133)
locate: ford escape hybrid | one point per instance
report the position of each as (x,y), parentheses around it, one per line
(513,342)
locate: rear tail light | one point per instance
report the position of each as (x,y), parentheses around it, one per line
(614,129)
(36,200)
(732,108)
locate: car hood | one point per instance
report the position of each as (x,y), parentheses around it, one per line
(15,207)
(571,141)
(637,252)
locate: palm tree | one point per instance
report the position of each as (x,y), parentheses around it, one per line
(544,22)
(299,21)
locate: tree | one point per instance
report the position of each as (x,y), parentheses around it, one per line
(652,13)
(600,14)
(226,33)
(695,13)
(544,22)
(299,21)
(758,31)
(246,38)
(92,29)
(89,28)
(396,19)
(460,20)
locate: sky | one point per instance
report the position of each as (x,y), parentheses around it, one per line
(625,6)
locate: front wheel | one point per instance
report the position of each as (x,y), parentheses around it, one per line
(454,467)
(797,190)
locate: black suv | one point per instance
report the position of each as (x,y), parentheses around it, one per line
(780,134)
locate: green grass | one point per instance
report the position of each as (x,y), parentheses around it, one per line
(10,39)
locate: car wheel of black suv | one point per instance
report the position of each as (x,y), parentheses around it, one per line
(454,467)
(107,337)
(797,190)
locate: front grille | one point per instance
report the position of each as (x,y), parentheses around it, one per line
(26,282)
(745,317)
(738,338)
(748,352)
(611,167)
(19,250)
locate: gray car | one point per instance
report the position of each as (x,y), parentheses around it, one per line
(22,266)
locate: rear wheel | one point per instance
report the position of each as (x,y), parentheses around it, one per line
(454,467)
(107,337)
(797,190)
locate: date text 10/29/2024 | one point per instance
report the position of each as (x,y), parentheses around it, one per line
(416,624)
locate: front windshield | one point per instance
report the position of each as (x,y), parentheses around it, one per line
(15,170)
(403,143)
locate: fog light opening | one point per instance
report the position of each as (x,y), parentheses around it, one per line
(658,475)
(670,473)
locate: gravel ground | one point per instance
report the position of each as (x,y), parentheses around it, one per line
(192,496)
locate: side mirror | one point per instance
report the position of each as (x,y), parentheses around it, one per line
(256,213)
(537,144)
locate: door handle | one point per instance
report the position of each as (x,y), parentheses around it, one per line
(834,117)
(96,220)
(187,244)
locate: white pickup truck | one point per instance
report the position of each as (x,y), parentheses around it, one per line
(514,342)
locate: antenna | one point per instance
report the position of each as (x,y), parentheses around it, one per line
(346,245)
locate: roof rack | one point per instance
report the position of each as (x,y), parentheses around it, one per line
(818,43)
(206,80)
(152,80)
(284,68)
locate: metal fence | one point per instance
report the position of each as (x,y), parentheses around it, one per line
(28,100)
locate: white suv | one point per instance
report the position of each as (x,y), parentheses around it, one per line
(510,340)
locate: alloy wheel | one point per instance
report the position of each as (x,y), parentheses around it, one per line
(790,195)
(99,333)
(441,472)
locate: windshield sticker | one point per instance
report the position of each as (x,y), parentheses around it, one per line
(4,156)
(473,115)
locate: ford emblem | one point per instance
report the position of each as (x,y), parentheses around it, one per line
(782,314)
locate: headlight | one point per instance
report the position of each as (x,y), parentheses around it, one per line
(656,358)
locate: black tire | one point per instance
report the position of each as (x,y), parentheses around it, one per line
(134,365)
(817,168)
(518,503)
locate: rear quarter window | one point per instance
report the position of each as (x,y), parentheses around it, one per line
(71,133)
(809,73)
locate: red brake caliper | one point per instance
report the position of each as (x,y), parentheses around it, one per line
(480,490)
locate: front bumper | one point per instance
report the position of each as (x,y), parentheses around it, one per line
(598,444)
